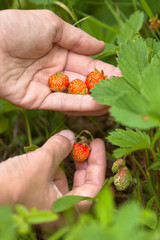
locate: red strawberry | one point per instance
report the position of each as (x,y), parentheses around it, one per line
(80,151)
(94,77)
(58,82)
(77,86)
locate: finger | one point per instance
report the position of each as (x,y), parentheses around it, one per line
(94,176)
(60,181)
(80,174)
(56,149)
(73,75)
(92,113)
(78,41)
(87,64)
(69,102)
(95,169)
(96,164)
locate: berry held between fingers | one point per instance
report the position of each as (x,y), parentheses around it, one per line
(58,82)
(80,151)
(77,86)
(93,78)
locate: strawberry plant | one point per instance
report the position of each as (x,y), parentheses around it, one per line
(128,205)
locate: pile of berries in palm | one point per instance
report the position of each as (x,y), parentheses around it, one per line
(60,83)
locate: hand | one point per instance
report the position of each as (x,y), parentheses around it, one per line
(36,180)
(36,44)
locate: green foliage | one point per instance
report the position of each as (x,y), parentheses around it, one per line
(129,141)
(136,105)
(130,27)
(7,229)
(67,202)
(134,99)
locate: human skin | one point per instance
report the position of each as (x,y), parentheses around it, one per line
(35,44)
(36,180)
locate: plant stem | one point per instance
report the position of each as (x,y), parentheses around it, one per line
(28,127)
(149,181)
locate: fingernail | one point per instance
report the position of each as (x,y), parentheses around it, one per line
(68,134)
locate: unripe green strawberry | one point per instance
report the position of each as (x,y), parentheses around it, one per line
(117,165)
(122,179)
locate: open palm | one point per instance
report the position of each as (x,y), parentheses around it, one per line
(36,44)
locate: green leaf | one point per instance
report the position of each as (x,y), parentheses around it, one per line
(129,141)
(7,106)
(134,111)
(108,90)
(7,227)
(133,59)
(127,220)
(150,88)
(150,202)
(30,148)
(155,166)
(22,210)
(148,218)
(43,216)
(130,27)
(4,124)
(104,207)
(67,202)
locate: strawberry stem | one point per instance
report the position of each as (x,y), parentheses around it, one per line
(86,131)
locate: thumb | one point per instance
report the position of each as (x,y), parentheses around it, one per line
(58,147)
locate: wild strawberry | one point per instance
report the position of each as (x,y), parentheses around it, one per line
(123,179)
(77,86)
(80,151)
(58,82)
(93,78)
(117,165)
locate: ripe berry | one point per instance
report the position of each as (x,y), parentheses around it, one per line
(58,82)
(80,151)
(77,86)
(93,78)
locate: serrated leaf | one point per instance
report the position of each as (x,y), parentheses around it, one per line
(133,59)
(132,119)
(7,106)
(133,110)
(30,148)
(130,27)
(120,152)
(129,141)
(108,90)
(150,88)
(67,202)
